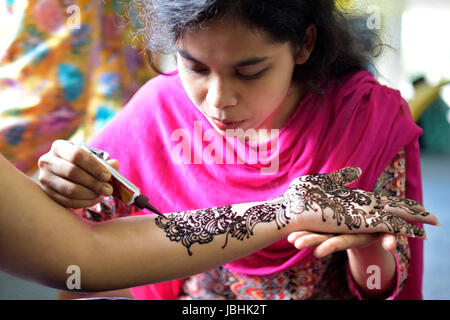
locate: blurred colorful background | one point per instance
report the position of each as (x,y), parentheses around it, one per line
(68,66)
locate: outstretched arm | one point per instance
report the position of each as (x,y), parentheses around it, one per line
(39,239)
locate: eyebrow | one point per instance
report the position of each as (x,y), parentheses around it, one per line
(243,63)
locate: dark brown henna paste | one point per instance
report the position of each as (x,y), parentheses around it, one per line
(341,206)
(343,202)
(315,193)
(401,203)
(395,224)
(201,226)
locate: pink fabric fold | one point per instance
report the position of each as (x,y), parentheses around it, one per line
(358,122)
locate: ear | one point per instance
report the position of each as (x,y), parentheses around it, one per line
(309,42)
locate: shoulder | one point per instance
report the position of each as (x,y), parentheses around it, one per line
(163,82)
(360,91)
(162,88)
(360,83)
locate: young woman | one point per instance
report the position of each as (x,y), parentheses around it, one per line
(264,92)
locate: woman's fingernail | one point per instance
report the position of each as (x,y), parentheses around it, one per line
(104,176)
(435,222)
(107,190)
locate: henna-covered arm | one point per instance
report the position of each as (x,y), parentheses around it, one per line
(39,239)
(185,243)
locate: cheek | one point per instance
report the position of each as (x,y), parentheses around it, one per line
(269,94)
(193,87)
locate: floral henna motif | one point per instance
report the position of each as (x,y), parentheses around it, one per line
(331,184)
(312,193)
(202,225)
(401,203)
(394,223)
(341,206)
(342,201)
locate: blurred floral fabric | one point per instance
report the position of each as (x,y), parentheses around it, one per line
(66,67)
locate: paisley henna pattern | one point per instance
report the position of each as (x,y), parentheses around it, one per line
(401,203)
(313,194)
(353,207)
(202,225)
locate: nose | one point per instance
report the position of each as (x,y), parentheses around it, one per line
(221,93)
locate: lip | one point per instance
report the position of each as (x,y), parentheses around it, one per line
(223,125)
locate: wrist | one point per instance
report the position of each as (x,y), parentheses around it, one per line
(363,258)
(286,221)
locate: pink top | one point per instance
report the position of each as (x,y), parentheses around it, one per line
(164,144)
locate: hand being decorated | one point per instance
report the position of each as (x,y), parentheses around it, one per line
(325,206)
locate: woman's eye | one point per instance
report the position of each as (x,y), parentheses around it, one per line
(194,69)
(250,76)
(200,70)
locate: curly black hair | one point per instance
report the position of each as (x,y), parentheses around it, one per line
(340,47)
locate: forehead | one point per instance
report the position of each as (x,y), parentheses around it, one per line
(228,41)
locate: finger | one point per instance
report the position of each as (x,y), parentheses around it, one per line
(346,176)
(382,199)
(383,221)
(405,208)
(388,241)
(70,203)
(114,163)
(295,235)
(311,240)
(81,158)
(67,188)
(64,169)
(343,242)
(358,221)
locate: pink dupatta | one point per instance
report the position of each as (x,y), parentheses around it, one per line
(358,122)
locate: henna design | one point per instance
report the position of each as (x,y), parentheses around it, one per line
(312,193)
(343,201)
(352,195)
(395,224)
(330,186)
(401,203)
(318,200)
(202,225)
